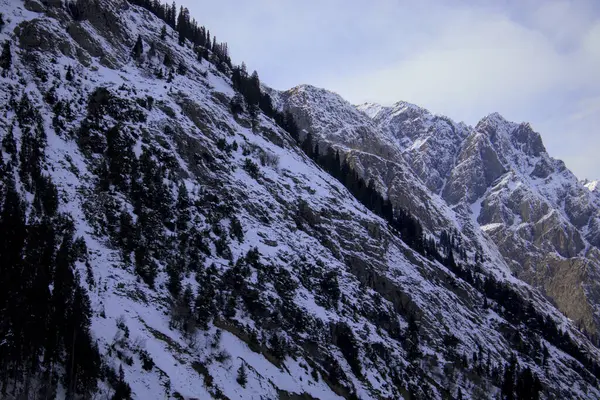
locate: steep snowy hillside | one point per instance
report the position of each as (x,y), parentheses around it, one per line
(165,237)
(498,174)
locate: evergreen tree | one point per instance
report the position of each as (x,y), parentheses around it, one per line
(331,288)
(183,25)
(253,96)
(126,233)
(122,389)
(528,385)
(508,381)
(182,207)
(144,266)
(412,340)
(242,375)
(12,240)
(120,157)
(83,360)
(6,57)
(181,68)
(37,279)
(9,144)
(237,104)
(204,306)
(174,280)
(163,32)
(69,75)
(167,61)
(138,49)
(173,15)
(307,145)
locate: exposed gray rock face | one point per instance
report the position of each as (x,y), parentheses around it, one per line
(84,39)
(477,167)
(105,18)
(32,35)
(496,175)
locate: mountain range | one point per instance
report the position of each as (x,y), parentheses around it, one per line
(174,228)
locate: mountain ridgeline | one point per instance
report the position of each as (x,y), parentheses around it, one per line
(173,228)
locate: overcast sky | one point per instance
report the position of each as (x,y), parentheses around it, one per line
(536,61)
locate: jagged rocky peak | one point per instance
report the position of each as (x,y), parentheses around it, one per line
(372,110)
(428,142)
(412,125)
(494,120)
(397,112)
(328,116)
(409,109)
(522,136)
(593,186)
(313,94)
(495,127)
(529,141)
(376,111)
(309,96)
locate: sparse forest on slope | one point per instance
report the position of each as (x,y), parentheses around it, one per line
(169,231)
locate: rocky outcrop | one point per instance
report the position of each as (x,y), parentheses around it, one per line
(477,168)
(34,35)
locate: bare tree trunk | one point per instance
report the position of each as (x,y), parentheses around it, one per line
(49,381)
(72,374)
(15,375)
(26,388)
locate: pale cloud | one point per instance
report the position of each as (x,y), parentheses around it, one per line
(528,59)
(469,67)
(587,109)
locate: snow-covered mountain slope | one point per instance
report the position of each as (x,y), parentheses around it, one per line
(498,175)
(220,261)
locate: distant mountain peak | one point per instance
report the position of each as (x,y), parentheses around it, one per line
(494,120)
(371,109)
(306,87)
(593,186)
(405,105)
(375,110)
